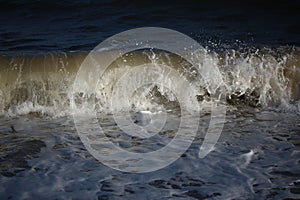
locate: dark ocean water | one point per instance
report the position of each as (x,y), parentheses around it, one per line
(254,45)
(43,26)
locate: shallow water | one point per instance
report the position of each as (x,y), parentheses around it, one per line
(257,156)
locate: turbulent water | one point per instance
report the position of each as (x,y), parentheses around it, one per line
(44,83)
(43,47)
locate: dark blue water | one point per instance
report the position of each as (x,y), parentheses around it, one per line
(43,26)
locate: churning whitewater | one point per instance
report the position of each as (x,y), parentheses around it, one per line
(256,77)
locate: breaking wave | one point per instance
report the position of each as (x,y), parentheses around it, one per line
(43,84)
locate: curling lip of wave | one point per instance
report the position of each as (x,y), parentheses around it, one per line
(43,83)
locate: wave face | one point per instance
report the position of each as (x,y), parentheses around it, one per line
(43,84)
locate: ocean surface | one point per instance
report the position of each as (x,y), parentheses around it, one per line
(254,46)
